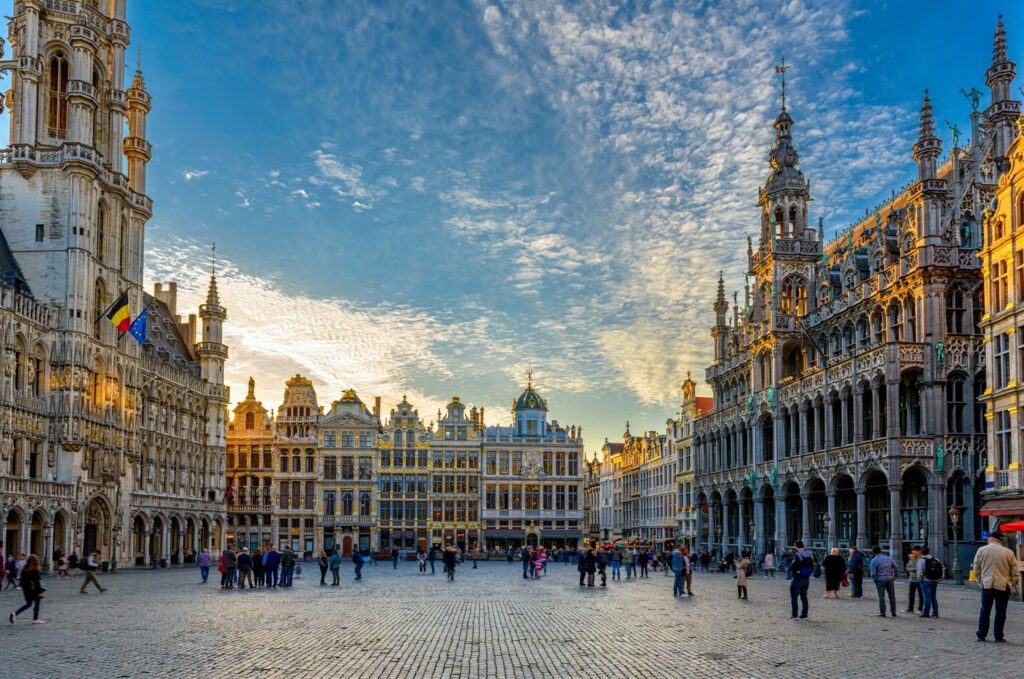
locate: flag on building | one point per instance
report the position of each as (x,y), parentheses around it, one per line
(119,313)
(138,327)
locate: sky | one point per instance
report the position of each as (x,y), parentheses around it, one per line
(432,197)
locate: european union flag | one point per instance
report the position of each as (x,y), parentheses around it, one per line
(138,327)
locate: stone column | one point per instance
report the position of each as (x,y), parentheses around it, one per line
(796,438)
(759,527)
(937,521)
(858,415)
(711,526)
(47,547)
(820,426)
(862,519)
(967,519)
(833,527)
(895,523)
(700,529)
(805,412)
(827,438)
(844,413)
(725,524)
(805,516)
(165,542)
(781,538)
(876,416)
(742,506)
(145,553)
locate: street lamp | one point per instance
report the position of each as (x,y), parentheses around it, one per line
(954,517)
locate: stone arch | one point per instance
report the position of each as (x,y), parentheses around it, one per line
(97,526)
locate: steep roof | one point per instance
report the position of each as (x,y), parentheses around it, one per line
(705,404)
(163,337)
(10,271)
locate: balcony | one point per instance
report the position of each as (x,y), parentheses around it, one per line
(346,520)
(35,488)
(1001,480)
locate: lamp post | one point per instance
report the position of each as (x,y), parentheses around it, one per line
(954,517)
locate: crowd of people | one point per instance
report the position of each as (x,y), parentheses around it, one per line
(995,569)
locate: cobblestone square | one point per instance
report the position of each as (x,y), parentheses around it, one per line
(489,623)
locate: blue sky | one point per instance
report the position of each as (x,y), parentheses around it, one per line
(433,197)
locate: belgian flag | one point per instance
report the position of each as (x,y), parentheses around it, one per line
(119,313)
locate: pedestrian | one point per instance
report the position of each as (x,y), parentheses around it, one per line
(916,592)
(222,568)
(322,562)
(12,573)
(259,572)
(244,560)
(581,566)
(678,570)
(421,558)
(995,569)
(271,561)
(204,560)
(287,567)
(801,569)
(705,560)
(449,558)
(232,565)
(358,560)
(687,572)
(616,561)
(643,560)
(510,555)
(588,566)
(334,564)
(741,577)
(90,566)
(627,561)
(768,564)
(602,565)
(62,567)
(431,557)
(475,554)
(527,559)
(32,589)
(883,570)
(3,564)
(930,572)
(835,573)
(855,568)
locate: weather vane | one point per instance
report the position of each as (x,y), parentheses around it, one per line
(781,69)
(213,258)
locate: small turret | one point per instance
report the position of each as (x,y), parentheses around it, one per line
(137,150)
(1001,116)
(928,146)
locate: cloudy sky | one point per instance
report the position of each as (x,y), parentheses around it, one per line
(433,197)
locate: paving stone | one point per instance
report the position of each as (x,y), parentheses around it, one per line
(489,623)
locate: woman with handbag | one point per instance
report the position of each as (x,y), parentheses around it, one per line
(32,588)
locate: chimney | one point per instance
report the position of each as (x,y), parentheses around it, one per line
(376,406)
(168,296)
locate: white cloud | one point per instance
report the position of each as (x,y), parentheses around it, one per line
(418,184)
(189,175)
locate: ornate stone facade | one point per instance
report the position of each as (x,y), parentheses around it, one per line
(405,481)
(1003,320)
(106,444)
(845,388)
(681,431)
(250,470)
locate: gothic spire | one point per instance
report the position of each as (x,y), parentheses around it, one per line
(928,146)
(999,48)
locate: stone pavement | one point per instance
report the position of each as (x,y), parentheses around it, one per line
(488,623)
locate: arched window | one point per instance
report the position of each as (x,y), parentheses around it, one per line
(250,420)
(801,297)
(956,404)
(955,309)
(398,438)
(123,242)
(895,323)
(99,305)
(57,110)
(284,462)
(309,461)
(780,222)
(101,231)
(792,221)
(911,316)
(786,304)
(346,502)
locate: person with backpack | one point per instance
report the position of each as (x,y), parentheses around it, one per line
(32,589)
(855,567)
(801,568)
(929,572)
(89,566)
(883,571)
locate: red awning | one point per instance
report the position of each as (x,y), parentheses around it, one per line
(1014,526)
(1003,507)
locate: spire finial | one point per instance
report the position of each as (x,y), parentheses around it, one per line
(138,57)
(213,259)
(781,70)
(529,379)
(999,48)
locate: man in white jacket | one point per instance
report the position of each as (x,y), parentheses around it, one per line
(995,568)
